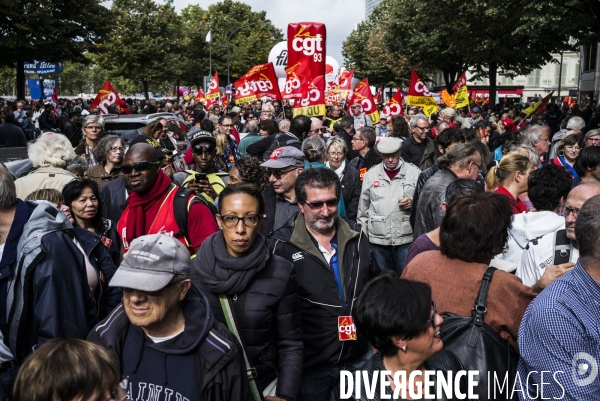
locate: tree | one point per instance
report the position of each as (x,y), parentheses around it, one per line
(248,47)
(145,44)
(57,30)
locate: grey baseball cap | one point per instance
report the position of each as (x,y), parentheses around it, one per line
(283,157)
(151,263)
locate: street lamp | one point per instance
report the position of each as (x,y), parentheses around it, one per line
(229,39)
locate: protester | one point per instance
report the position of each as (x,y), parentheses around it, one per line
(574,127)
(446,139)
(71,129)
(509,178)
(547,188)
(268,128)
(399,128)
(284,125)
(385,204)
(333,262)
(92,127)
(333,116)
(206,180)
(316,128)
(474,230)
(400,320)
(236,263)
(588,166)
(347,133)
(11,135)
(431,241)
(419,149)
(351,184)
(557,251)
(592,138)
(82,197)
(108,153)
(66,370)
(153,130)
(47,120)
(363,143)
(251,136)
(150,208)
(49,155)
(248,170)
(56,274)
(283,168)
(299,128)
(164,334)
(537,138)
(461,161)
(559,330)
(360,118)
(381,129)
(567,152)
(230,151)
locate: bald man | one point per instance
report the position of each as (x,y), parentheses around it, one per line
(151,204)
(556,253)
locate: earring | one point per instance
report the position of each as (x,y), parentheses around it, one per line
(404,348)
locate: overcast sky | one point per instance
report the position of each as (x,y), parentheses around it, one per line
(339,16)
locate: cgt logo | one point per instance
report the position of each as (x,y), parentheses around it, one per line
(393,109)
(213,84)
(111,98)
(313,96)
(421,88)
(291,85)
(305,43)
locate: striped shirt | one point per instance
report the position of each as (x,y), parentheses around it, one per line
(560,332)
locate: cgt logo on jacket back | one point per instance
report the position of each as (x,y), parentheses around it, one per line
(297,256)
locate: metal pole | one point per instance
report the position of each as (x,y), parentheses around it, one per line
(560,75)
(229,39)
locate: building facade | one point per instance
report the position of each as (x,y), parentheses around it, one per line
(369,6)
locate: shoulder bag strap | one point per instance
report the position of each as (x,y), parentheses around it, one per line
(562,247)
(480,309)
(232,324)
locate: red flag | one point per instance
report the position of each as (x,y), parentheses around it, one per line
(394,105)
(298,80)
(224,100)
(418,94)
(346,83)
(260,82)
(54,95)
(313,104)
(105,97)
(362,95)
(200,95)
(214,92)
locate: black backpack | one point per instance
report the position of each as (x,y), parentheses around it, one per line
(479,347)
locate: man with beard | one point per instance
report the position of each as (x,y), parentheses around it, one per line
(333,261)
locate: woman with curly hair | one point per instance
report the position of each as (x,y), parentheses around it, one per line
(109,153)
(248,170)
(399,127)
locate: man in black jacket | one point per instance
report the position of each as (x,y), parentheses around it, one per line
(299,128)
(11,136)
(333,261)
(164,334)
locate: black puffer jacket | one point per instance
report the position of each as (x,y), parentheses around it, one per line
(318,291)
(270,324)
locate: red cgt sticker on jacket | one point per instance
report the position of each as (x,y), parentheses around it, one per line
(107,242)
(362,173)
(346,328)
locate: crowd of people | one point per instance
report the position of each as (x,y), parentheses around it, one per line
(270,253)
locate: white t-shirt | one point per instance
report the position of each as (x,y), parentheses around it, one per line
(535,259)
(5,354)
(157,340)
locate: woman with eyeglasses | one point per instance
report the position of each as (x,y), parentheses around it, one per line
(509,178)
(109,153)
(68,370)
(92,127)
(567,152)
(235,264)
(401,322)
(207,179)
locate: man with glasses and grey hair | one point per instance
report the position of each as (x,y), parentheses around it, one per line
(419,148)
(268,113)
(164,334)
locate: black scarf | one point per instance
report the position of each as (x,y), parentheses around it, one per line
(225,274)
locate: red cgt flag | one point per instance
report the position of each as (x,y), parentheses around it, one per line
(259,82)
(345,84)
(298,79)
(214,92)
(105,97)
(394,105)
(362,95)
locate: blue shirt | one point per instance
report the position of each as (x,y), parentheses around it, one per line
(561,329)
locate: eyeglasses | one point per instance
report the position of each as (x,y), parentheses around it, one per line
(568,210)
(432,320)
(318,205)
(227,125)
(573,147)
(357,139)
(231,220)
(117,149)
(278,174)
(476,165)
(139,167)
(428,128)
(266,112)
(208,148)
(322,129)
(335,154)
(93,127)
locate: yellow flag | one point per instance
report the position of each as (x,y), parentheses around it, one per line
(429,110)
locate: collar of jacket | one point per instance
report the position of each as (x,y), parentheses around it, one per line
(301,239)
(382,176)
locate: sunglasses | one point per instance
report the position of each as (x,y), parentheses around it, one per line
(208,148)
(139,167)
(279,174)
(318,205)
